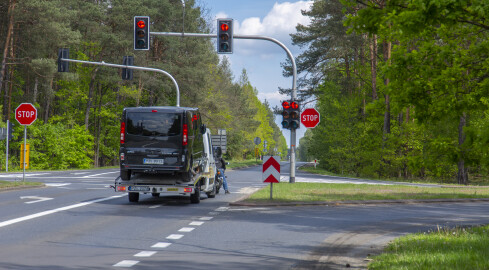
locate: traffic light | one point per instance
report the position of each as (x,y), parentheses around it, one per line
(295,114)
(290,115)
(225,36)
(286,114)
(63,66)
(141,33)
(127,72)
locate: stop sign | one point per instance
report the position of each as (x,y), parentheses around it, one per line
(26,114)
(310,118)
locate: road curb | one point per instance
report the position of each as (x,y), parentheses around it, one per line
(338,203)
(21,188)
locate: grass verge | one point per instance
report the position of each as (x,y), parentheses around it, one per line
(314,192)
(459,248)
(9,184)
(243,163)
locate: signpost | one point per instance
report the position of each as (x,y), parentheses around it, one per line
(310,118)
(271,171)
(25,114)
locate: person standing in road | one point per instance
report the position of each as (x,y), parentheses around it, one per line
(221,166)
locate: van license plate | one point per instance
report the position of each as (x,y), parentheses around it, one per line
(135,188)
(172,189)
(153,161)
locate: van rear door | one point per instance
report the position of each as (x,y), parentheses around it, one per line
(153,138)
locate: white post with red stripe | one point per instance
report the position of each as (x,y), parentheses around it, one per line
(271,171)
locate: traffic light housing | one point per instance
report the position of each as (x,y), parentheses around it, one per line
(127,72)
(295,114)
(224,36)
(286,114)
(141,33)
(290,115)
(63,66)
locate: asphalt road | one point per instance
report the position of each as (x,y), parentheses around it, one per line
(78,222)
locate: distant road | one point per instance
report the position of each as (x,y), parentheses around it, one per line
(78,222)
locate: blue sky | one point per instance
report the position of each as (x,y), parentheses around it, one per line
(262,59)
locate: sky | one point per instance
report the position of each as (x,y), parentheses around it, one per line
(262,59)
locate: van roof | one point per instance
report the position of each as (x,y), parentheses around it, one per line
(172,109)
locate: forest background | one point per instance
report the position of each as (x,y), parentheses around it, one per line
(402,87)
(79,112)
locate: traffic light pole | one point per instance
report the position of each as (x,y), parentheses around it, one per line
(130,67)
(294,80)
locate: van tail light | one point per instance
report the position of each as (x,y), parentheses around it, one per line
(123,132)
(185,134)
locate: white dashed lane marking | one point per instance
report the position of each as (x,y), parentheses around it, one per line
(186,229)
(196,223)
(145,254)
(161,245)
(174,236)
(126,263)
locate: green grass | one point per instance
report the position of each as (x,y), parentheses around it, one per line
(242,163)
(460,248)
(314,192)
(9,184)
(474,180)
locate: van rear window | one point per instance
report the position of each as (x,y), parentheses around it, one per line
(153,124)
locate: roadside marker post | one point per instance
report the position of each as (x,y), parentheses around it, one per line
(271,171)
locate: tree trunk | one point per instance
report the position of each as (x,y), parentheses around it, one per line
(373,66)
(387,115)
(90,97)
(10,31)
(462,174)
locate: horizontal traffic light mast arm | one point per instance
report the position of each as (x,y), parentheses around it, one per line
(130,67)
(294,80)
(289,54)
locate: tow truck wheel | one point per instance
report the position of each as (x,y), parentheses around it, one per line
(133,196)
(195,198)
(212,194)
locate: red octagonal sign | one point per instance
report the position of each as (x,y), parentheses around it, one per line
(310,118)
(26,114)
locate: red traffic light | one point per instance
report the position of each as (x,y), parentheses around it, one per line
(286,105)
(224,27)
(294,105)
(141,24)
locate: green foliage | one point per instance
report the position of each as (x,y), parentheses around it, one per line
(431,86)
(79,112)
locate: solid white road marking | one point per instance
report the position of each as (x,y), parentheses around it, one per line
(174,236)
(35,198)
(145,254)
(126,263)
(221,209)
(156,206)
(186,229)
(92,175)
(196,223)
(57,184)
(161,245)
(49,212)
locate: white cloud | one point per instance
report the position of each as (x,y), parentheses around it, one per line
(220,15)
(274,98)
(279,23)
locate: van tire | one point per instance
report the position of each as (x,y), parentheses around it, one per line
(133,196)
(125,175)
(195,198)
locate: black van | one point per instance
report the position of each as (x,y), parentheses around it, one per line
(162,140)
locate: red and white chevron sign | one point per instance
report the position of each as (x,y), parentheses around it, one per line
(271,169)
